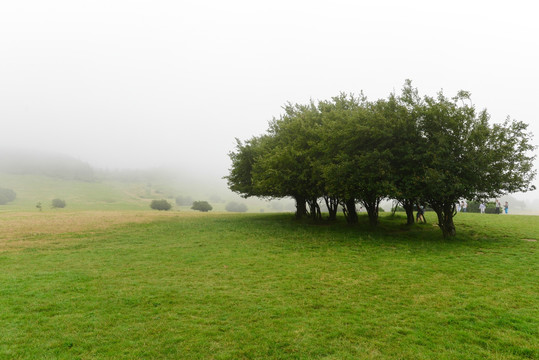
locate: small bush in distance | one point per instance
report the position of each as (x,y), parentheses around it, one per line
(160,205)
(6,195)
(235,207)
(203,206)
(58,204)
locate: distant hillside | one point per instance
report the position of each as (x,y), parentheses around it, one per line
(41,177)
(79,195)
(46,164)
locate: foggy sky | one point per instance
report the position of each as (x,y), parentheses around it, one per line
(134,84)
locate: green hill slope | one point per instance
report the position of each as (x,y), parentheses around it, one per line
(79,195)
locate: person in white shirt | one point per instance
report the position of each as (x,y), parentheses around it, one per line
(482,208)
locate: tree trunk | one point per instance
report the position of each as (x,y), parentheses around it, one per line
(394,207)
(349,211)
(446,212)
(301,208)
(314,208)
(332,203)
(408,206)
(372,210)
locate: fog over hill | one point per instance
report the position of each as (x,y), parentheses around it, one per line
(169,182)
(44,163)
(151,182)
(61,166)
(170,84)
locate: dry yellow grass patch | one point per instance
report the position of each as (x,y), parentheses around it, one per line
(26,229)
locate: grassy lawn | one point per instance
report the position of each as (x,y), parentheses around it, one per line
(251,286)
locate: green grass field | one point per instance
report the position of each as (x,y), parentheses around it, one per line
(251,286)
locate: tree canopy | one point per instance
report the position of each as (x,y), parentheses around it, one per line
(203,206)
(7,195)
(161,205)
(420,150)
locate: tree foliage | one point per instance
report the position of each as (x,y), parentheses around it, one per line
(428,151)
(58,203)
(7,195)
(160,205)
(203,206)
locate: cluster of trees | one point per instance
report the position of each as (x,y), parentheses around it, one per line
(161,205)
(203,206)
(430,150)
(7,195)
(57,204)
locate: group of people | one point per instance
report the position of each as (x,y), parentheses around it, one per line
(499,206)
(463,207)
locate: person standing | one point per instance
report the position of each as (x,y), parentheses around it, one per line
(506,207)
(482,207)
(464,206)
(420,216)
(498,205)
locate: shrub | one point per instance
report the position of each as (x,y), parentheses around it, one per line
(235,207)
(160,205)
(203,206)
(7,195)
(58,204)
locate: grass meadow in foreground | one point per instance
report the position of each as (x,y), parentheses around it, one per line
(251,286)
